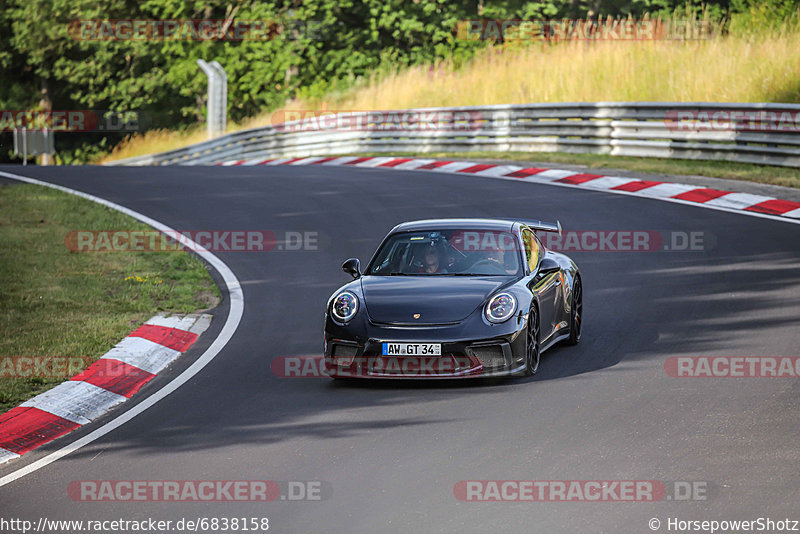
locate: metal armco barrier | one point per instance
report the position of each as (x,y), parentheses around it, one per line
(767,134)
(33,143)
(217,102)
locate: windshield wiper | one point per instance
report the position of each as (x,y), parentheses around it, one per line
(475,274)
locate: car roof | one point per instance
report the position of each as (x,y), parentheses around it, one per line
(502,225)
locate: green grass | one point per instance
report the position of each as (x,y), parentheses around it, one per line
(784,176)
(55,303)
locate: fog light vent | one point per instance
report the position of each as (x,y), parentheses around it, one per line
(344,354)
(491,356)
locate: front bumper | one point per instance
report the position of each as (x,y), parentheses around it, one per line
(352,356)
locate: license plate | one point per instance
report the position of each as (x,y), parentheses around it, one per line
(412,349)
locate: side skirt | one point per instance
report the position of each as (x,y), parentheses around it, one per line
(553,341)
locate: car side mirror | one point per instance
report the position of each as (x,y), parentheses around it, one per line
(352,267)
(548,266)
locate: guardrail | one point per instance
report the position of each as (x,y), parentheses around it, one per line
(767,134)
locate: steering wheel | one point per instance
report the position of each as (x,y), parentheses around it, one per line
(500,269)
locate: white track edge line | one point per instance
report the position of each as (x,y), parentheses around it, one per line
(235,311)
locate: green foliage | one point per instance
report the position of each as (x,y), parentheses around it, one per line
(755,16)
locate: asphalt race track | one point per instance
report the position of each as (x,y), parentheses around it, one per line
(390,454)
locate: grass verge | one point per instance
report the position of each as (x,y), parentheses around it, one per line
(785,176)
(57,304)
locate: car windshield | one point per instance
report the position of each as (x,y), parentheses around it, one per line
(448,253)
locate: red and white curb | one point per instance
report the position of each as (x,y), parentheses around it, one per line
(689,194)
(109,381)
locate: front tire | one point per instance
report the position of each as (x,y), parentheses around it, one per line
(532,353)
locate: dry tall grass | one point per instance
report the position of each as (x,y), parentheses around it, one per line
(756,68)
(748,67)
(155,141)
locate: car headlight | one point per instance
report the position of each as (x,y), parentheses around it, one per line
(500,307)
(344,306)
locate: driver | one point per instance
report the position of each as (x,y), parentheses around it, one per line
(432,262)
(497,257)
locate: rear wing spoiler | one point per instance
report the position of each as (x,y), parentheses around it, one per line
(541,226)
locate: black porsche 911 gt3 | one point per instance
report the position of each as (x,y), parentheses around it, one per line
(454,298)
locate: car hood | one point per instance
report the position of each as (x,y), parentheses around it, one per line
(437,299)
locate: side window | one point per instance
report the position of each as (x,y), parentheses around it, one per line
(537,247)
(532,249)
